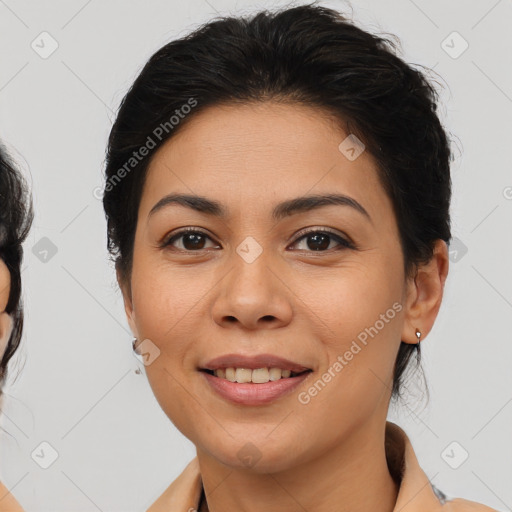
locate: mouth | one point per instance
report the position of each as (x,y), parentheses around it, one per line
(253,386)
(255,369)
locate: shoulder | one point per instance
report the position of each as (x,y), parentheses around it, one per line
(8,502)
(183,494)
(416,492)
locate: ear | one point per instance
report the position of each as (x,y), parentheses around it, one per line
(424,295)
(128,303)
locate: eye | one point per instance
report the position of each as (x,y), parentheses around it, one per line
(192,240)
(320,240)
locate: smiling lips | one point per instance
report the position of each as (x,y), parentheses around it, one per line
(257,369)
(253,380)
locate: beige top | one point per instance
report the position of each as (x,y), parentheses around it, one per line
(416,494)
(8,502)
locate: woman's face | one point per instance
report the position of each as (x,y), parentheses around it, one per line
(250,283)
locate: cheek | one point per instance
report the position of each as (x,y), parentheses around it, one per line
(351,300)
(359,316)
(165,304)
(360,346)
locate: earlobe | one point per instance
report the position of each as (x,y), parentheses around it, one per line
(425,295)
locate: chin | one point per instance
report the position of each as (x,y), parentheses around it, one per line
(256,454)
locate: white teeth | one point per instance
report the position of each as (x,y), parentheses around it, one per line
(243,375)
(258,376)
(275,373)
(230,374)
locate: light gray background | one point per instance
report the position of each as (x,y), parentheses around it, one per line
(77,387)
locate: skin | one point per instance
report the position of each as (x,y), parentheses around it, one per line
(5,318)
(292,301)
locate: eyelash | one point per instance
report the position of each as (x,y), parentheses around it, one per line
(343,243)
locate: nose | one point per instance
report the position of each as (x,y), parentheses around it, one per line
(252,295)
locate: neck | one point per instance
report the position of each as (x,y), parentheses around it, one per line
(354,476)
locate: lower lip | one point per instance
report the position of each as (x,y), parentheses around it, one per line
(249,393)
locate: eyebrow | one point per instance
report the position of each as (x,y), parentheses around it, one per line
(287,208)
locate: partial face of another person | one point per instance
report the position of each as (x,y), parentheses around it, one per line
(6,323)
(302,285)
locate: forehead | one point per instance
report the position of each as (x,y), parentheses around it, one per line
(255,133)
(253,152)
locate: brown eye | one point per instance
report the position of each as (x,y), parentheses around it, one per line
(320,240)
(191,240)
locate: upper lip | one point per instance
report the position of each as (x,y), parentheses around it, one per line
(253,362)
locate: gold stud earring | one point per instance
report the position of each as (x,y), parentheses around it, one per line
(418,334)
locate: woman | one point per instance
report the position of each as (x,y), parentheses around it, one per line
(277,196)
(15,221)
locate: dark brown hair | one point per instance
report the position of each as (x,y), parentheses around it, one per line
(16,215)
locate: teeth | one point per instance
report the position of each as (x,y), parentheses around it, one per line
(258,376)
(243,375)
(261,375)
(275,373)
